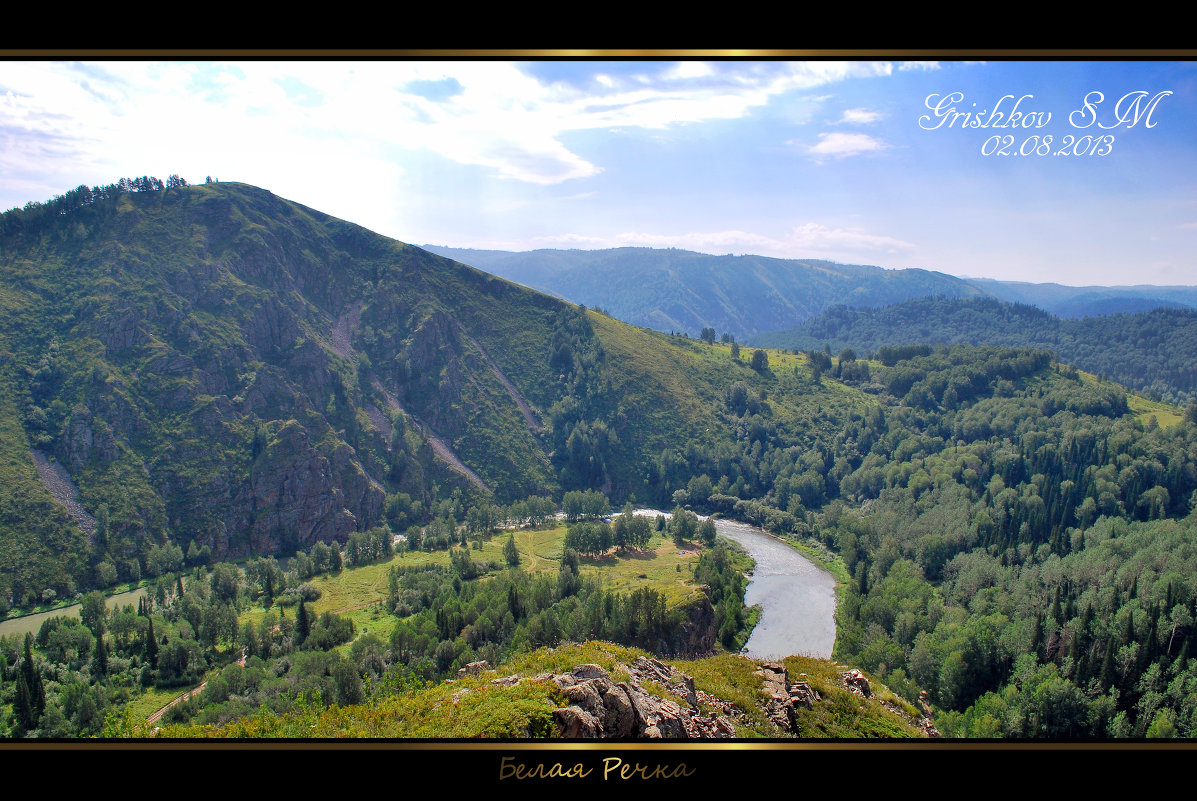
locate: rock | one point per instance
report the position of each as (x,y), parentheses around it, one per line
(774,678)
(855,681)
(620,718)
(602,708)
(577,724)
(590,672)
(473,669)
(802,694)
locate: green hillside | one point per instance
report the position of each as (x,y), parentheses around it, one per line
(1153,351)
(233,399)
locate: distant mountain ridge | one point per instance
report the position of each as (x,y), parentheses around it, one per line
(1090,301)
(678,290)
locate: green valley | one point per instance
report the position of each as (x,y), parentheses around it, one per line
(345,470)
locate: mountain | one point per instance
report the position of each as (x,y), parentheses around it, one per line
(682,291)
(1089,301)
(749,296)
(1153,351)
(215,365)
(218,372)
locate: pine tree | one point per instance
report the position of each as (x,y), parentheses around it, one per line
(22,705)
(150,649)
(99,660)
(511,553)
(33,680)
(303,625)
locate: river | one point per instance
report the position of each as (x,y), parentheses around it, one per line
(797,598)
(31,623)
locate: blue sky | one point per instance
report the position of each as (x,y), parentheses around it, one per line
(790,159)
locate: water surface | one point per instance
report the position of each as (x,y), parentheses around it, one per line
(797,598)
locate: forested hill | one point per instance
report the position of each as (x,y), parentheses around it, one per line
(217,367)
(679,290)
(1154,351)
(1089,301)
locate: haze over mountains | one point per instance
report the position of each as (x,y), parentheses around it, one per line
(683,291)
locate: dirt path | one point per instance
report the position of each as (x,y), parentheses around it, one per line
(157,716)
(57,482)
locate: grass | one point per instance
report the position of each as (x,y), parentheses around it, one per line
(358,592)
(1144,409)
(474,708)
(152,700)
(843,714)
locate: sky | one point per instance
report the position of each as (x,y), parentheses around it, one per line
(1076,172)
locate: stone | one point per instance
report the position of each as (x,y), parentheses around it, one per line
(473,669)
(855,681)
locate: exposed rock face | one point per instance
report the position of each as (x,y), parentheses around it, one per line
(697,635)
(473,669)
(785,697)
(603,708)
(297,488)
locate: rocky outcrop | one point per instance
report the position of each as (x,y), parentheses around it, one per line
(85,436)
(855,681)
(784,697)
(658,701)
(697,634)
(299,492)
(601,708)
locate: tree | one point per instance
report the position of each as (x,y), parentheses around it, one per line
(683,525)
(708,336)
(511,553)
(93,612)
(22,705)
(760,360)
(99,661)
(150,647)
(735,350)
(706,532)
(303,624)
(33,681)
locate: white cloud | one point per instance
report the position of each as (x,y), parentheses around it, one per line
(689,69)
(859,116)
(570,241)
(840,145)
(820,238)
(295,123)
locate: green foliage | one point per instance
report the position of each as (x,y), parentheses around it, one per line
(1148,351)
(760,360)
